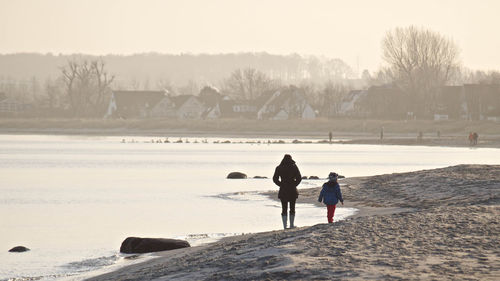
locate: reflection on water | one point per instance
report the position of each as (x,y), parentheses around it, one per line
(76,198)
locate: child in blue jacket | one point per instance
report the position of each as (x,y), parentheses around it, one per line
(331,195)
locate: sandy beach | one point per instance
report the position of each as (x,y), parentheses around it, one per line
(440,224)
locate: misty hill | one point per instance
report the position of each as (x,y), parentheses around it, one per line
(149,69)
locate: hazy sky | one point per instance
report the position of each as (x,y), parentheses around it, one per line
(349,30)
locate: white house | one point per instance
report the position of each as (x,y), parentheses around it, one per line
(288,103)
(348,104)
(308,113)
(212,112)
(188,107)
(281,115)
(164,108)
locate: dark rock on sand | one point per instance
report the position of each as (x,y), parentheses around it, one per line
(314,178)
(19,249)
(236,175)
(259,177)
(304,177)
(136,245)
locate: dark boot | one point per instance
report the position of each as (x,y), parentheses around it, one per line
(292,218)
(284,218)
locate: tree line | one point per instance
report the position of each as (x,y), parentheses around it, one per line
(417,60)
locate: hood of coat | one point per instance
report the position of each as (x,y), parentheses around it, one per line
(287,161)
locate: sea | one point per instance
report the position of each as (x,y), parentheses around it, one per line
(72,199)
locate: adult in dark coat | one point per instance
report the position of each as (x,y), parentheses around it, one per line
(287,177)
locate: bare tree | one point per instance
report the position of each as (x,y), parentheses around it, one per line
(366,76)
(19,90)
(165,85)
(383,76)
(421,61)
(311,92)
(337,69)
(54,96)
(87,83)
(478,77)
(191,88)
(103,80)
(332,96)
(248,83)
(320,69)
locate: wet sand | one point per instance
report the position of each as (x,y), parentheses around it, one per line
(440,224)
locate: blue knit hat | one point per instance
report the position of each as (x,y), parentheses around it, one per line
(333,176)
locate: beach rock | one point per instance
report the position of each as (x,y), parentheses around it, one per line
(236,175)
(19,249)
(314,178)
(137,245)
(259,177)
(341,177)
(304,177)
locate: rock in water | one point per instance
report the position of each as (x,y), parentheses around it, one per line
(136,245)
(314,178)
(236,175)
(19,249)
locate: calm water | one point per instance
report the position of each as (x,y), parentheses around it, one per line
(73,199)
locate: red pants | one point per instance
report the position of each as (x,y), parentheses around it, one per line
(330,212)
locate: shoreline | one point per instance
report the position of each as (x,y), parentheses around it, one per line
(452,140)
(432,224)
(345,131)
(310,195)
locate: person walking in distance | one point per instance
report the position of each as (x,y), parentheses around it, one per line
(287,177)
(475,136)
(330,195)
